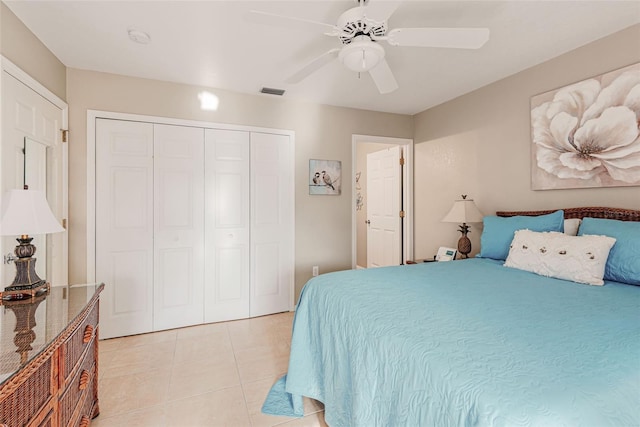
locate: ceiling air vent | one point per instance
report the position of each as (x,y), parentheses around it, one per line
(272,91)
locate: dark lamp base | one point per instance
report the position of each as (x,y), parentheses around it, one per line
(26,276)
(12,294)
(464,246)
(27,283)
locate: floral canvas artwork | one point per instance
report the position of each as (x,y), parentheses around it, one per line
(587,134)
(325,177)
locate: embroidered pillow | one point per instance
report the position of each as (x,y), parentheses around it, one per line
(580,259)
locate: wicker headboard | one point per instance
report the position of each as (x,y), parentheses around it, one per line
(594,212)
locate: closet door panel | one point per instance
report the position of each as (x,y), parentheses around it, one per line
(272,223)
(124,226)
(227,225)
(179,226)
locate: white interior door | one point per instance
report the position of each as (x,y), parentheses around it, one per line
(179,226)
(124,226)
(227,252)
(383,208)
(27,114)
(272,223)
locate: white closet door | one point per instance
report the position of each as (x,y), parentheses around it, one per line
(124,226)
(227,225)
(272,223)
(179,226)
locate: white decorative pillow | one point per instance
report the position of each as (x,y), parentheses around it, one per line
(578,258)
(571,226)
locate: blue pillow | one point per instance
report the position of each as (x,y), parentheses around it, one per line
(498,232)
(623,264)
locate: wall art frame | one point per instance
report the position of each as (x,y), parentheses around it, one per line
(325,177)
(585,135)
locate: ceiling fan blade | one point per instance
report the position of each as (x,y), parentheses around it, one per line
(313,66)
(267,18)
(383,77)
(460,38)
(380,11)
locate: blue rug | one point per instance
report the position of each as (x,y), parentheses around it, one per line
(279,402)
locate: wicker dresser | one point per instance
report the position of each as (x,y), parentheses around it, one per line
(49,358)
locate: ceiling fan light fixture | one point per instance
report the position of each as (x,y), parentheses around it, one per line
(361,55)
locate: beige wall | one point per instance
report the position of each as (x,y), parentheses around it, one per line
(23,48)
(323,224)
(479,144)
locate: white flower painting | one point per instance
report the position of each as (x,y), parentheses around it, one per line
(587,134)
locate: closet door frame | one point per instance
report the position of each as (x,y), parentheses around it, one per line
(92,115)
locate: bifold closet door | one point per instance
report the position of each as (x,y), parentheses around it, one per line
(193,225)
(272,223)
(124,226)
(227,252)
(178,287)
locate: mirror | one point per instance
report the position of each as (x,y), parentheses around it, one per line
(35,176)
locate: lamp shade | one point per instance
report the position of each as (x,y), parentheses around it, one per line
(464,211)
(27,212)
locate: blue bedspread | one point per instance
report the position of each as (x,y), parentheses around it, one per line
(464,343)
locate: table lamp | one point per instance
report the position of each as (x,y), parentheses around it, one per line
(464,211)
(26,212)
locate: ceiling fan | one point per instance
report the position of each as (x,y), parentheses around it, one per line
(360,29)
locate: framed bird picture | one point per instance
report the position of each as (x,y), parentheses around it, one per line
(325,177)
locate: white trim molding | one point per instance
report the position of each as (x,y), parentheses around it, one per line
(33,84)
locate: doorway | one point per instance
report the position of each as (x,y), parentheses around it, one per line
(362,147)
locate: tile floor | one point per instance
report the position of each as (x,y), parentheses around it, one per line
(208,375)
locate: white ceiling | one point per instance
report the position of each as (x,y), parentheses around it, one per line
(213,44)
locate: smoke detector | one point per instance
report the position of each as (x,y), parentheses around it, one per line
(139,36)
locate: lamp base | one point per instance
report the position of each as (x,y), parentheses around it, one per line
(10,293)
(464,246)
(26,276)
(27,283)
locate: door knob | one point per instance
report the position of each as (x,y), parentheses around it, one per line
(367,222)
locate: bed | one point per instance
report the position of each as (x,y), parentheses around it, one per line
(473,342)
